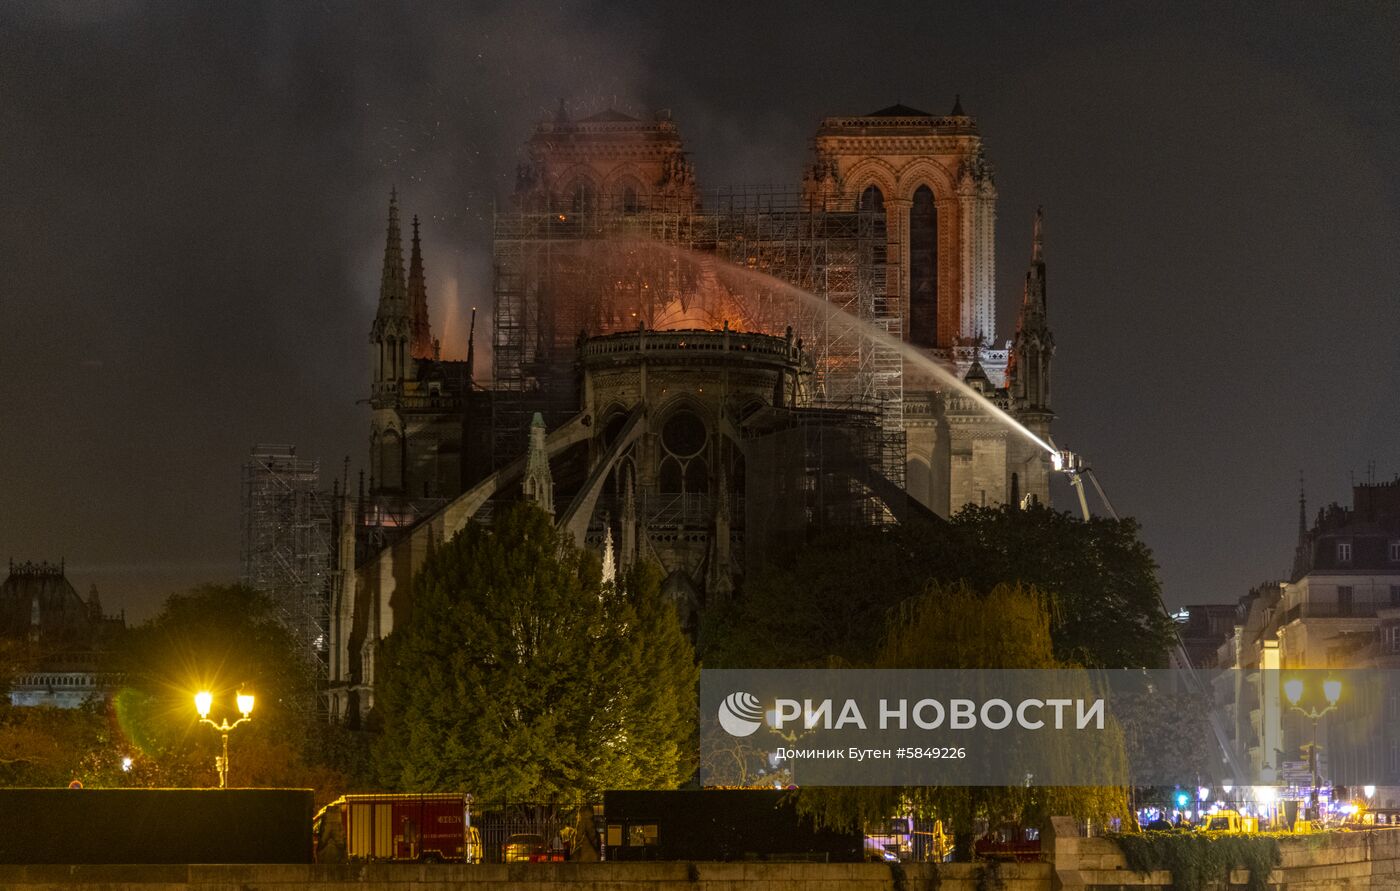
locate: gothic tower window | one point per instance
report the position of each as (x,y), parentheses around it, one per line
(630,204)
(872,200)
(923,269)
(582,198)
(390,460)
(683,469)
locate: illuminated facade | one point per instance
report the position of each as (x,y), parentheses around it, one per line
(671,371)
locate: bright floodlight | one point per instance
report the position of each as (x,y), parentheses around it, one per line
(245,703)
(1265,795)
(126,764)
(203,700)
(1203,793)
(1332,690)
(1369,790)
(1228,787)
(1293,690)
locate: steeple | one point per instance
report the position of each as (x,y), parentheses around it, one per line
(1302,508)
(609,564)
(392,289)
(390,332)
(538,485)
(420,332)
(1034,345)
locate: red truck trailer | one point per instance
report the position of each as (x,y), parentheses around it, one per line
(429,827)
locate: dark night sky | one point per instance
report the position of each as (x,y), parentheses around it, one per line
(193,199)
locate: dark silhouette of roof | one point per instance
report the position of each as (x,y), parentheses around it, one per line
(899,111)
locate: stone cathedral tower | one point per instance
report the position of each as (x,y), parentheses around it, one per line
(416,427)
(929,178)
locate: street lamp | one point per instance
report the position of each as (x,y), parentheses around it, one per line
(1332,691)
(203,701)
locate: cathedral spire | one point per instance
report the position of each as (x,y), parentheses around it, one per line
(392,289)
(1033,346)
(1302,508)
(538,485)
(420,331)
(1038,239)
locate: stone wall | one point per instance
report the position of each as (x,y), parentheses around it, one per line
(1360,861)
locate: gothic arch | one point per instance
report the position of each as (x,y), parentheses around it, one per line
(567,181)
(868,172)
(925,172)
(622,177)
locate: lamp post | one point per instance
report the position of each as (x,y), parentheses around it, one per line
(203,700)
(1332,691)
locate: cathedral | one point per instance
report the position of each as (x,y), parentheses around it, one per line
(699,378)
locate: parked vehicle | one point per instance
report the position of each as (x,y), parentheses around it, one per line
(528,847)
(1373,818)
(1228,821)
(428,827)
(719,824)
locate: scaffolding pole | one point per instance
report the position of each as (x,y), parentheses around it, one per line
(287,549)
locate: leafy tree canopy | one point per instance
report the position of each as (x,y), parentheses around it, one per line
(956,627)
(521,676)
(829,602)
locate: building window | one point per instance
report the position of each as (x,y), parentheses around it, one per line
(1344,600)
(1392,639)
(923,269)
(1343,552)
(1395,595)
(1395,551)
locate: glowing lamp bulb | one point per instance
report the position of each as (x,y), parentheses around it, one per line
(245,703)
(1332,690)
(1228,787)
(203,700)
(1203,793)
(1369,790)
(1293,690)
(1266,795)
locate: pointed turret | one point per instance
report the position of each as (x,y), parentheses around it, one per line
(1034,344)
(390,332)
(629,521)
(957,111)
(420,331)
(609,563)
(538,485)
(393,290)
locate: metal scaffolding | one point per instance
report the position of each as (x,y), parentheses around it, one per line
(287,545)
(561,275)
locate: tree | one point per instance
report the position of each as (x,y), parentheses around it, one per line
(521,677)
(820,608)
(220,638)
(956,627)
(1101,580)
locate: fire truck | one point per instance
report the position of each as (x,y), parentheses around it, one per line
(431,827)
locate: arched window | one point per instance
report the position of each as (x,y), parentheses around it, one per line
(390,460)
(923,269)
(582,198)
(630,203)
(872,200)
(671,479)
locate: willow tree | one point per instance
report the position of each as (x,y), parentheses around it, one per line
(521,676)
(955,627)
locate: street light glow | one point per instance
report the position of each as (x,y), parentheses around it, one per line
(1294,690)
(245,703)
(203,701)
(1332,690)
